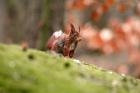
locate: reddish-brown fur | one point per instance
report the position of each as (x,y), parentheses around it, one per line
(64,44)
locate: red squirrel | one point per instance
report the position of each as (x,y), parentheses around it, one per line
(63,43)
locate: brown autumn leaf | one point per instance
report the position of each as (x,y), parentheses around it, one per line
(105,7)
(121,7)
(78,4)
(109,2)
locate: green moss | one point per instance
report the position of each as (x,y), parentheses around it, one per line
(34,71)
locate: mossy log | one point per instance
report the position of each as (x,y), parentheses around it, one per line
(33,71)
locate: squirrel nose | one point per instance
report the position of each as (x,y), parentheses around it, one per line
(79,39)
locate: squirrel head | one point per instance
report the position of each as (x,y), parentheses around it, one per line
(74,33)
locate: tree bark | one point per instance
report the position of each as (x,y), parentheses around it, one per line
(52,18)
(2,20)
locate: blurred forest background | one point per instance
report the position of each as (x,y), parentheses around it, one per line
(110,28)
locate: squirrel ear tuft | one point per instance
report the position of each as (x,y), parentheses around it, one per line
(79,29)
(72,26)
(72,29)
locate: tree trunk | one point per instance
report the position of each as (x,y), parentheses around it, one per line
(52,20)
(30,21)
(2,20)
